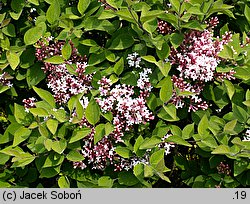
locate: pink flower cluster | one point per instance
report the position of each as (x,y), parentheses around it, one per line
(196,60)
(62,83)
(4,81)
(164,27)
(97,155)
(126,109)
(29,103)
(186,93)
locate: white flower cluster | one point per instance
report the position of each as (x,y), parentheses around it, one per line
(199,60)
(143,81)
(65,84)
(134,60)
(247,135)
(166,145)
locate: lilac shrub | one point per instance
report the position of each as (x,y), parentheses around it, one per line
(60,81)
(196,59)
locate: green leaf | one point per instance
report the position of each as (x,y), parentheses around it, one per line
(148,171)
(49,172)
(59,146)
(171,112)
(127,178)
(176,5)
(150,15)
(43,130)
(82,6)
(105,181)
(66,51)
(178,140)
(121,42)
(33,35)
(199,182)
(209,141)
(21,135)
(164,67)
(166,90)
(168,113)
(35,75)
(79,134)
(203,126)
(226,53)
(60,115)
(109,128)
(150,143)
(3,158)
(139,172)
(53,12)
(229,88)
(176,39)
(195,9)
(247,12)
(110,56)
(221,149)
(164,52)
(229,127)
(107,14)
(74,156)
(119,66)
(157,161)
(247,103)
(194,25)
(124,14)
(63,182)
(39,112)
(149,58)
(5,184)
(150,25)
(99,132)
(20,114)
(92,112)
(188,131)
(123,152)
(88,42)
(55,60)
(240,113)
(9,30)
(93,23)
(240,166)
(129,78)
(12,151)
(13,58)
(79,110)
(48,144)
(95,59)
(46,96)
(35,2)
(137,145)
(23,160)
(53,159)
(52,125)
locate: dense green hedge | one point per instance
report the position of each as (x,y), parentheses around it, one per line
(124,93)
